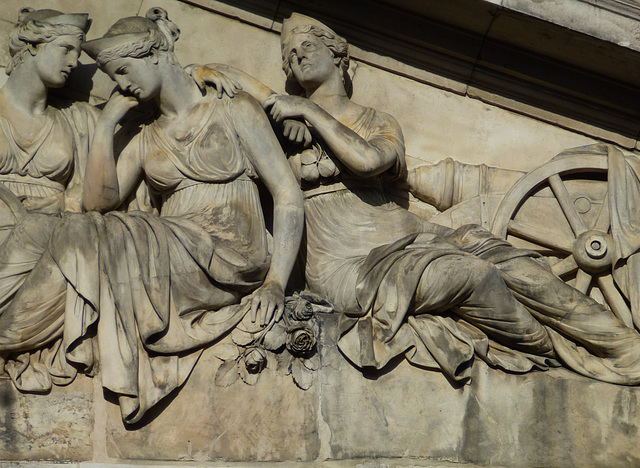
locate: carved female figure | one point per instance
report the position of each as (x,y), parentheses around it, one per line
(43,148)
(143,293)
(175,280)
(37,136)
(410,287)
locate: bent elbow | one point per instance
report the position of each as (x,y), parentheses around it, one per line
(366,171)
(372,165)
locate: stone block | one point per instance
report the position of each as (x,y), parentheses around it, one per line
(271,421)
(55,426)
(438,124)
(554,418)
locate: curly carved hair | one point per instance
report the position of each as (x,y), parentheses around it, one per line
(27,36)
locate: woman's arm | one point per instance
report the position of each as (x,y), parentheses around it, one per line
(365,158)
(231,81)
(105,185)
(239,80)
(270,163)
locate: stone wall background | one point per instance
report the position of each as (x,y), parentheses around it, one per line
(399,417)
(437,123)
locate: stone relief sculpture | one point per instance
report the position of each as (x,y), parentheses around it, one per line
(138,294)
(142,293)
(43,149)
(409,287)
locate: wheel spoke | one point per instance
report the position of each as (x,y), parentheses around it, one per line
(563,267)
(569,210)
(540,237)
(583,281)
(616,301)
(603,222)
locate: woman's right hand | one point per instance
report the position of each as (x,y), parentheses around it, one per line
(117,106)
(205,75)
(296,132)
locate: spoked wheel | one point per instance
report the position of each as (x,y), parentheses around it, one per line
(561,210)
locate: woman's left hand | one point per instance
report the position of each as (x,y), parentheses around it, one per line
(267,303)
(288,107)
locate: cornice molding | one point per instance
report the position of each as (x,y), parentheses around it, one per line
(543,70)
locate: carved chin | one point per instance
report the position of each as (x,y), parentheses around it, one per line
(57,83)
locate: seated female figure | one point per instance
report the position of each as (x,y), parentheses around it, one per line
(406,286)
(43,149)
(145,292)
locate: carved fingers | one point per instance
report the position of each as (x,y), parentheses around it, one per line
(204,75)
(267,304)
(287,107)
(118,105)
(297,132)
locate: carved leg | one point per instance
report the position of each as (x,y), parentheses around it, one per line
(567,310)
(34,317)
(474,290)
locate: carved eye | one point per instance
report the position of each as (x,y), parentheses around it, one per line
(121,71)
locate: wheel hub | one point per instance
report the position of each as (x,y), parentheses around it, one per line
(593,251)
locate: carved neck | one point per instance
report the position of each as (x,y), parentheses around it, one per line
(178,93)
(25,91)
(328,93)
(330,96)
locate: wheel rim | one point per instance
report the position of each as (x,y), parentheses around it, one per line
(588,252)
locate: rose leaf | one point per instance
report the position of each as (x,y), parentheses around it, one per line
(284,362)
(227,373)
(312,363)
(302,376)
(241,338)
(225,351)
(275,338)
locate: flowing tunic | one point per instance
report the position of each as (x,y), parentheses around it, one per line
(145,292)
(40,177)
(440,296)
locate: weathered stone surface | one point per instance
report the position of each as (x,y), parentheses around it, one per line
(613,23)
(273,420)
(5,29)
(553,418)
(438,124)
(54,426)
(222,40)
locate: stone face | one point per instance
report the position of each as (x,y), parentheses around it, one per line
(55,426)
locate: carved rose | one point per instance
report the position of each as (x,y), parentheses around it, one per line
(301,341)
(255,360)
(301,310)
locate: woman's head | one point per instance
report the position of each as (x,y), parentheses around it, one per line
(302,35)
(49,38)
(132,48)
